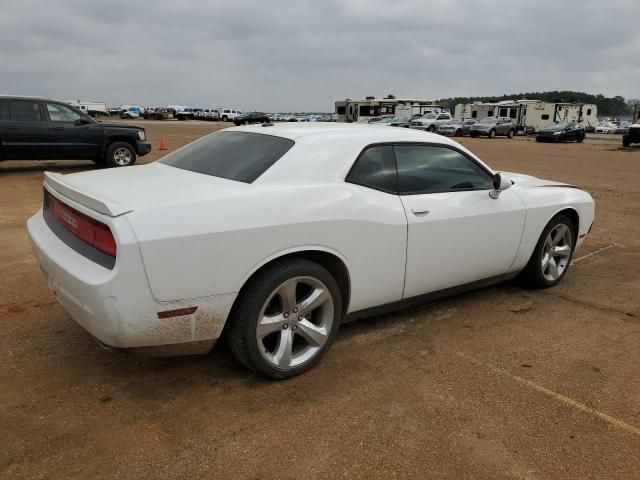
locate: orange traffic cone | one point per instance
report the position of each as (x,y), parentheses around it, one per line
(163,146)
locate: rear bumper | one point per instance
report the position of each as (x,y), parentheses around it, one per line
(142,148)
(116,306)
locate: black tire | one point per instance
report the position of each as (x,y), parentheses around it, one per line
(580,139)
(492,134)
(458,133)
(538,139)
(225,118)
(432,128)
(112,150)
(243,320)
(510,134)
(532,275)
(626,142)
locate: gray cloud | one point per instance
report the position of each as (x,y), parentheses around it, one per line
(282,55)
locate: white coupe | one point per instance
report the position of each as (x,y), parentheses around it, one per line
(274,235)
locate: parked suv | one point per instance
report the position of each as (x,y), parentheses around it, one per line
(41,129)
(252,117)
(430,121)
(493,126)
(631,135)
(229,115)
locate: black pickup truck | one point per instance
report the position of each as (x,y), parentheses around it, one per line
(252,117)
(41,129)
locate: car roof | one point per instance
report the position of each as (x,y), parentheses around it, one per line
(358,132)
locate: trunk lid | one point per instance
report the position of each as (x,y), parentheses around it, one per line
(118,191)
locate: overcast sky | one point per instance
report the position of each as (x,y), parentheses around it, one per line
(299,55)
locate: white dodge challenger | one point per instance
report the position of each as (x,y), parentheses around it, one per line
(275,234)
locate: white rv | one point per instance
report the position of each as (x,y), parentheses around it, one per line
(350,110)
(95,109)
(475,110)
(530,116)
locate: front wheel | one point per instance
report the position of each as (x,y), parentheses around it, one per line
(120,154)
(552,256)
(285,319)
(626,142)
(431,128)
(510,134)
(492,134)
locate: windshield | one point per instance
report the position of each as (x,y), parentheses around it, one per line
(430,116)
(488,120)
(239,156)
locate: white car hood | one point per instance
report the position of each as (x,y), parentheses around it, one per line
(531,181)
(121,190)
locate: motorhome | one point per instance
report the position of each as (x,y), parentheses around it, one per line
(530,116)
(475,110)
(95,109)
(350,110)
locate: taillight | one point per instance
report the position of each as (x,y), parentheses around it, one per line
(88,229)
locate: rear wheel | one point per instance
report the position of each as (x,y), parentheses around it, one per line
(552,256)
(432,128)
(626,142)
(459,132)
(580,139)
(492,133)
(285,319)
(120,154)
(510,134)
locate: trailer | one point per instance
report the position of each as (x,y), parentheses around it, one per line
(475,110)
(350,110)
(530,116)
(95,109)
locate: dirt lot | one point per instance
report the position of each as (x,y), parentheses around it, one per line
(499,383)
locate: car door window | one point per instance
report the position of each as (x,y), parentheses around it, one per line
(375,168)
(433,169)
(24,111)
(61,113)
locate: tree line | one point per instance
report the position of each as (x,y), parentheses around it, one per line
(607,106)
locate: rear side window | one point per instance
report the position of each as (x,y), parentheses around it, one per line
(431,169)
(24,111)
(239,156)
(375,168)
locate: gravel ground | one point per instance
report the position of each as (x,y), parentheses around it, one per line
(498,383)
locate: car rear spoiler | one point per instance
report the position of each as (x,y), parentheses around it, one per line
(57,182)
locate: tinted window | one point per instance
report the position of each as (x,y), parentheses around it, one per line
(375,168)
(428,169)
(237,156)
(24,111)
(61,113)
(545,116)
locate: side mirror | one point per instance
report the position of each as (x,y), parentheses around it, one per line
(500,183)
(82,121)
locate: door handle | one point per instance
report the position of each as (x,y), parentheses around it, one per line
(58,128)
(419,212)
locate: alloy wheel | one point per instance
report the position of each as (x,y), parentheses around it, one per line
(122,156)
(556,252)
(295,322)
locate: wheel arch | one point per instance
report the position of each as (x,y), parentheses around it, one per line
(572,214)
(331,260)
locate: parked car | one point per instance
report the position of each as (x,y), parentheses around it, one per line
(431,121)
(251,117)
(403,122)
(280,280)
(456,128)
(374,120)
(631,135)
(384,121)
(229,115)
(561,132)
(158,113)
(129,112)
(492,127)
(605,128)
(42,129)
